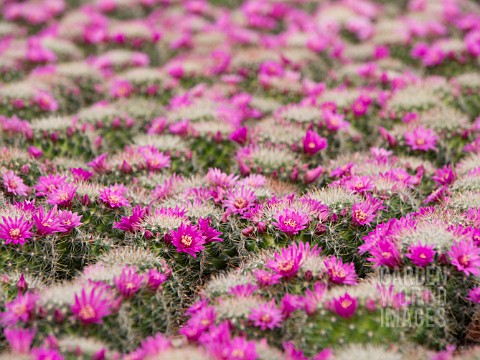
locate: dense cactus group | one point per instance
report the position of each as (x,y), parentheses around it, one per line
(239,180)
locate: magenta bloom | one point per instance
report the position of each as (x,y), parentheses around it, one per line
(216,177)
(14,184)
(46,184)
(211,234)
(15,231)
(291,222)
(444,176)
(364,213)
(421,139)
(240,200)
(131,223)
(35,152)
(46,354)
(69,220)
(240,349)
(345,306)
(286,262)
(188,239)
(266,278)
(46,101)
(340,273)
(155,345)
(465,256)
(266,316)
(99,164)
(245,290)
(154,159)
(20,308)
(239,135)
(113,196)
(313,143)
(47,223)
(81,174)
(421,255)
(20,340)
(155,279)
(474,295)
(129,282)
(120,88)
(385,253)
(92,305)
(63,195)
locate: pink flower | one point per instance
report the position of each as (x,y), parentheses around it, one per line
(131,223)
(472,41)
(313,143)
(266,278)
(240,200)
(188,239)
(345,306)
(63,195)
(15,231)
(20,340)
(35,152)
(474,295)
(155,279)
(154,345)
(216,177)
(92,305)
(366,212)
(47,223)
(120,88)
(465,256)
(155,159)
(46,354)
(46,101)
(113,196)
(239,135)
(291,222)
(129,282)
(20,308)
(444,176)
(69,220)
(287,262)
(421,139)
(14,184)
(46,184)
(99,164)
(239,349)
(81,174)
(421,255)
(266,316)
(340,273)
(385,253)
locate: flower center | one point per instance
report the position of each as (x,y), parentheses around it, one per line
(360,215)
(64,196)
(240,203)
(286,265)
(290,222)
(87,312)
(386,255)
(464,260)
(130,286)
(19,309)
(113,199)
(311,145)
(186,240)
(346,303)
(238,353)
(423,256)
(266,318)
(14,233)
(12,184)
(420,141)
